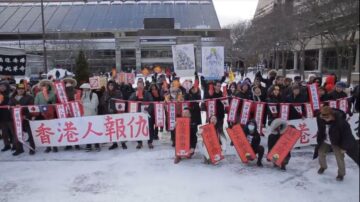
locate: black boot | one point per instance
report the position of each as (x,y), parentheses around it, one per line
(55,149)
(77,147)
(32,152)
(139,146)
(114,146)
(6,148)
(18,152)
(123,145)
(67,148)
(48,149)
(259,164)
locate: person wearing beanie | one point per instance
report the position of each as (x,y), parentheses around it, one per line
(338,92)
(335,132)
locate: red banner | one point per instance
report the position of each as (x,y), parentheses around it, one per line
(182,137)
(259,115)
(234,105)
(273,109)
(241,144)
(298,108)
(60,92)
(333,104)
(309,110)
(284,145)
(171,115)
(133,107)
(212,144)
(314,96)
(245,112)
(284,111)
(159,115)
(61,111)
(211,108)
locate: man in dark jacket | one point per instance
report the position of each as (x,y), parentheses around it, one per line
(338,92)
(297,99)
(5,115)
(21,98)
(254,139)
(142,95)
(335,132)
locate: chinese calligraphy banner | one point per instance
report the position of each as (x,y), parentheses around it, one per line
(308,128)
(12,65)
(90,130)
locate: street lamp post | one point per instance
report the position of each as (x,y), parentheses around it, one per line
(43,36)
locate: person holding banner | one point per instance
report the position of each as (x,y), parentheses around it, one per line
(335,132)
(338,92)
(186,113)
(297,100)
(144,96)
(70,85)
(109,106)
(90,102)
(273,100)
(277,128)
(20,98)
(46,97)
(155,92)
(254,139)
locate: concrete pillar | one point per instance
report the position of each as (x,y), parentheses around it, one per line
(320,60)
(357,58)
(296,55)
(138,59)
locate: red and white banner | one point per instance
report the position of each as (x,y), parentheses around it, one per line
(159,115)
(234,105)
(259,115)
(61,111)
(144,108)
(185,105)
(298,108)
(245,112)
(128,78)
(133,107)
(60,92)
(120,107)
(182,138)
(17,118)
(211,108)
(171,115)
(273,109)
(343,105)
(333,104)
(90,130)
(309,110)
(76,109)
(314,96)
(284,111)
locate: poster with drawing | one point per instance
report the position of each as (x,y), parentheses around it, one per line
(184,59)
(213,62)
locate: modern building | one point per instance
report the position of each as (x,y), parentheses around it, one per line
(122,34)
(320,55)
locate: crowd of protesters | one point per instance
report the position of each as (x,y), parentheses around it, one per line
(272,88)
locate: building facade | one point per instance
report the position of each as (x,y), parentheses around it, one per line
(123,34)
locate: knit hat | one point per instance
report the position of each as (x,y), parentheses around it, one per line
(340,84)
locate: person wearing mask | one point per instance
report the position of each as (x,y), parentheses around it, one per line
(90,102)
(254,139)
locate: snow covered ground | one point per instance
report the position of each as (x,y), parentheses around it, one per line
(150,175)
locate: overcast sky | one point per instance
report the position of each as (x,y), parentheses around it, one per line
(232,11)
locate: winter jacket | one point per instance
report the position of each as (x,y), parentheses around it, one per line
(253,137)
(23,101)
(90,102)
(299,99)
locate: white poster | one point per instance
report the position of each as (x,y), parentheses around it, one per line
(90,130)
(184,59)
(213,62)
